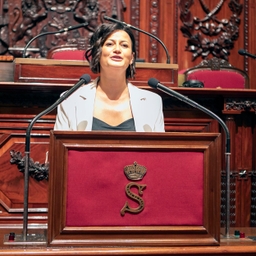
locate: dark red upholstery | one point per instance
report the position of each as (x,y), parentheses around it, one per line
(218,79)
(69,55)
(96,188)
(66,53)
(217,73)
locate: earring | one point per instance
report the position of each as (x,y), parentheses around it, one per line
(131,71)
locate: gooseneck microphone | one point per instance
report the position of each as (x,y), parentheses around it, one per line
(142,31)
(52,32)
(154,83)
(84,79)
(245,53)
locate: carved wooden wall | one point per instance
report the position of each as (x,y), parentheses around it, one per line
(191,30)
(24,19)
(225,27)
(212,28)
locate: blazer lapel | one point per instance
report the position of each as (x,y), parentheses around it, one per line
(139,104)
(85,106)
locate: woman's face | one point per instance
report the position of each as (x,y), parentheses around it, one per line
(117,51)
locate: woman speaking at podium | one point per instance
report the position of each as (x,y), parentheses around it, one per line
(111,102)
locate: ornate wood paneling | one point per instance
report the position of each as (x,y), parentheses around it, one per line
(241,18)
(208,34)
(23,20)
(211,28)
(191,30)
(12,180)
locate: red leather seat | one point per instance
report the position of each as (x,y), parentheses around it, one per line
(218,73)
(66,52)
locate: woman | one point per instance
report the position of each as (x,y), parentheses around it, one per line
(110,102)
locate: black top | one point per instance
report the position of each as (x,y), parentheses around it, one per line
(98,125)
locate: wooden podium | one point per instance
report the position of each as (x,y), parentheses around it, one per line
(47,71)
(177,200)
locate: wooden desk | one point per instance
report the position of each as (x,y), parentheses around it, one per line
(62,71)
(231,247)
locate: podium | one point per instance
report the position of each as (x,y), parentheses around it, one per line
(130,189)
(62,73)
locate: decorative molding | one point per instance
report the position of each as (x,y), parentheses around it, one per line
(233,178)
(214,64)
(36,170)
(240,104)
(246,33)
(154,20)
(236,176)
(135,21)
(4,23)
(37,17)
(221,33)
(253,199)
(176,33)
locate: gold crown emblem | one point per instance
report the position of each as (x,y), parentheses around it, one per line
(135,171)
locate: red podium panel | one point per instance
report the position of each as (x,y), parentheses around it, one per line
(134,189)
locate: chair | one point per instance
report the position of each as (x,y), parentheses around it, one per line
(218,73)
(66,52)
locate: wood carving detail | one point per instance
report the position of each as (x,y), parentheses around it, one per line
(4,22)
(36,170)
(253,199)
(154,30)
(33,17)
(134,172)
(31,13)
(233,178)
(241,104)
(214,64)
(221,32)
(135,21)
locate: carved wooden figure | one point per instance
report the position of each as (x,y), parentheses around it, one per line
(4,21)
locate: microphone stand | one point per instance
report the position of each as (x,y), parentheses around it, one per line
(52,32)
(246,54)
(142,31)
(83,79)
(227,134)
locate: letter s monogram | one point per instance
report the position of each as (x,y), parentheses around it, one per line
(134,197)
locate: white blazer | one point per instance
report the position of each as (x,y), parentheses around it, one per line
(76,112)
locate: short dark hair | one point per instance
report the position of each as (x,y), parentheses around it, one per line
(97,40)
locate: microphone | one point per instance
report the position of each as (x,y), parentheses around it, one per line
(142,31)
(73,27)
(245,53)
(84,79)
(154,83)
(52,32)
